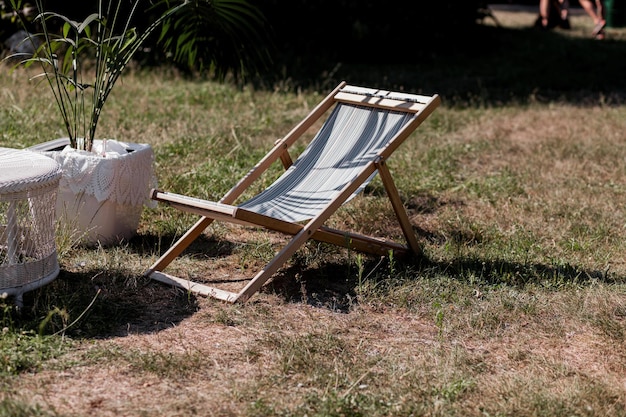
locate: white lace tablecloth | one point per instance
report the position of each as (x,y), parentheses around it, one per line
(125,178)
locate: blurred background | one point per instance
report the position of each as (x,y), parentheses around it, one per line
(455,47)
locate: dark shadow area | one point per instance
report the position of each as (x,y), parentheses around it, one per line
(433,47)
(125,303)
(319,274)
(149,244)
(105,303)
(433,52)
(331,285)
(334,285)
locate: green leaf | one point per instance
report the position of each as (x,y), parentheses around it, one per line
(85,24)
(66,29)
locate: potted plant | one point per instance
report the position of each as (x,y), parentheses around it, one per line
(105,182)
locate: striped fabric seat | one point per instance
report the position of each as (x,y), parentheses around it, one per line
(352,137)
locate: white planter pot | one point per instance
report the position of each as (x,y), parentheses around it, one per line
(102,193)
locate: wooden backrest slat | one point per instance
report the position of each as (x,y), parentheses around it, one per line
(379,102)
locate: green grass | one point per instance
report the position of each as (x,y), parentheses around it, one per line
(515,186)
(18,408)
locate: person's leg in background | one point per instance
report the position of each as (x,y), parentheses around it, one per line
(596,13)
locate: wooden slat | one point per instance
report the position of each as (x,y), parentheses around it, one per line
(379,102)
(385,93)
(355,241)
(194,287)
(285,158)
(270,223)
(361,243)
(204,205)
(209,210)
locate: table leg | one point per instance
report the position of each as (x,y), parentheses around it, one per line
(12,244)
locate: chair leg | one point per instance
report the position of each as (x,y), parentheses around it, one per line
(398,207)
(274,265)
(180,245)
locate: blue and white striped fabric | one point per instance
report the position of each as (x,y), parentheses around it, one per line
(351,138)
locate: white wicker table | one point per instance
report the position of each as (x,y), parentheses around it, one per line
(28,188)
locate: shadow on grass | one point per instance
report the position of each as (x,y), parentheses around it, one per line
(336,285)
(204,246)
(114,303)
(331,280)
(102,304)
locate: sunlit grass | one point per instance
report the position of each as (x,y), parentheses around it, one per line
(517,308)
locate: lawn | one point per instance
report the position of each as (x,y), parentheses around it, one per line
(515,186)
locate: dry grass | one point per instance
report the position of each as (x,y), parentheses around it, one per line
(518,308)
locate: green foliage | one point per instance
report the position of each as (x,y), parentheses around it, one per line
(23,351)
(82,62)
(10,407)
(221,36)
(303,356)
(102,39)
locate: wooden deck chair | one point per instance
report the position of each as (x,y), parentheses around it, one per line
(363,128)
